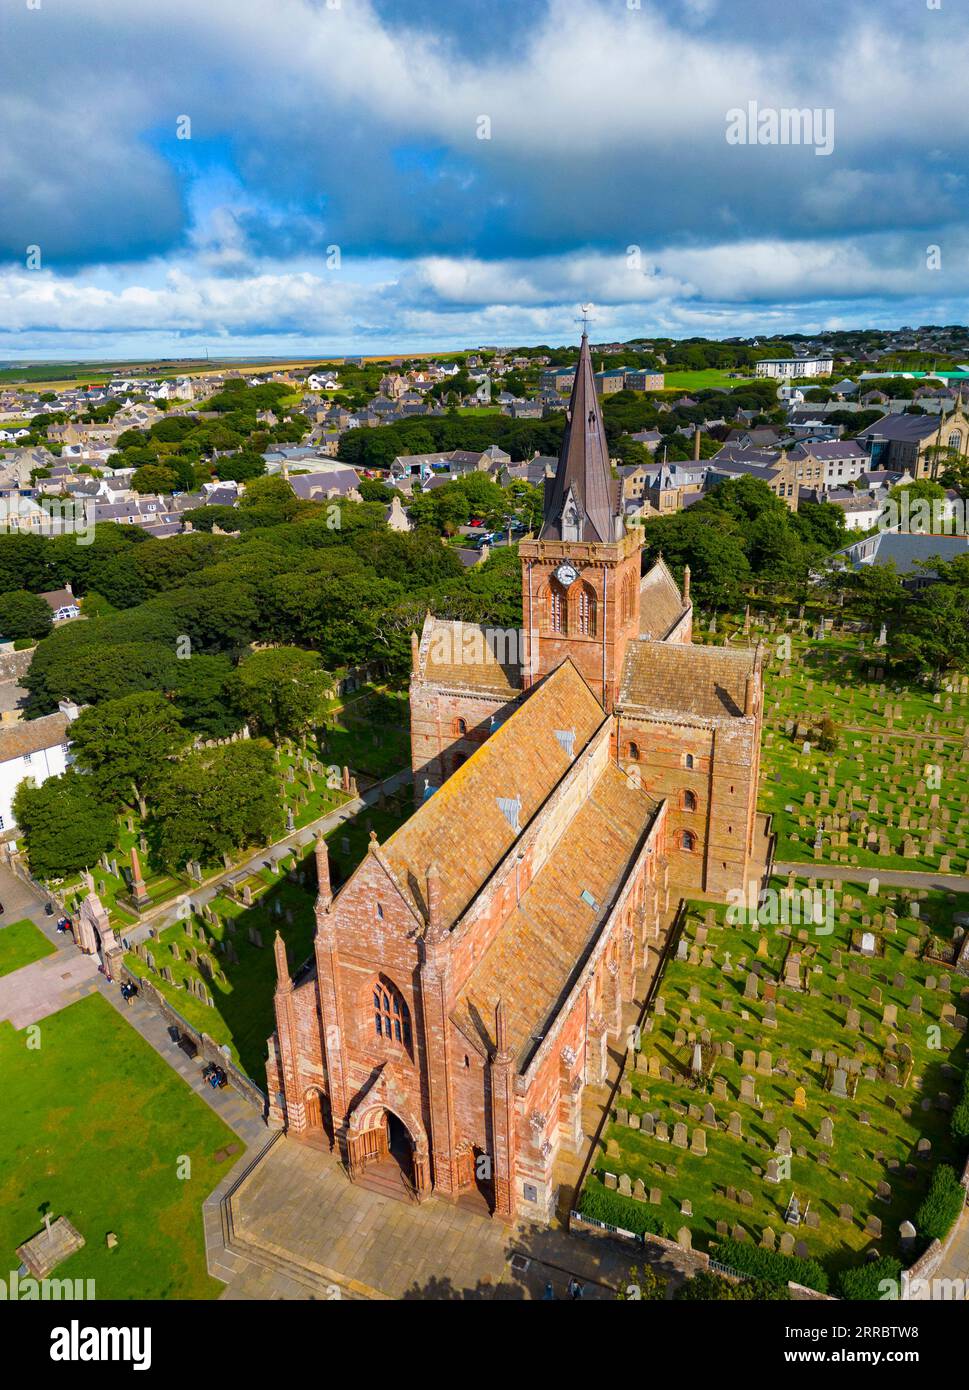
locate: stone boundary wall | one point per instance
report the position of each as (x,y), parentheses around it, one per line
(208,1048)
(927,1263)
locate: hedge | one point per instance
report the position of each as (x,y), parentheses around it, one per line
(943,1203)
(960,1114)
(861,1283)
(614,1209)
(704,1286)
(777,1269)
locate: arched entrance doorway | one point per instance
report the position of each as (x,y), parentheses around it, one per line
(316,1109)
(382,1155)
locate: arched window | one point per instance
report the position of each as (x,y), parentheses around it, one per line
(688,841)
(689,801)
(955,440)
(633,751)
(556,608)
(460,727)
(688,760)
(391,1016)
(586,608)
(458,761)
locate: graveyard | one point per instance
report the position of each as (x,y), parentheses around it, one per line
(890,793)
(370,734)
(216,967)
(95,1127)
(784,1061)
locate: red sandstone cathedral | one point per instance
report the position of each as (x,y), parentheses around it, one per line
(571,782)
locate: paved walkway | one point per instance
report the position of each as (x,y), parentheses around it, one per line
(955,1262)
(238,1113)
(894,878)
(48,985)
(298,1228)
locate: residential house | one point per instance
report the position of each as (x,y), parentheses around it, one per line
(33,749)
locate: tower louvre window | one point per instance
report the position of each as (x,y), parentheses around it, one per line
(587,612)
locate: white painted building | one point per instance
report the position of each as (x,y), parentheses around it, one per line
(790,368)
(34,749)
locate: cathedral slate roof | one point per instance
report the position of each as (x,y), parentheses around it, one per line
(660,602)
(463,656)
(682,679)
(470,823)
(540,950)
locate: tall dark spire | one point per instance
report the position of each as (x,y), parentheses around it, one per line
(582,501)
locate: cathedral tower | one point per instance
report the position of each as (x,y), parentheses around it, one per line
(580,578)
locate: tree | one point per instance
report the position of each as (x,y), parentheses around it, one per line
(24,615)
(269,500)
(373,490)
(875,593)
(718,565)
(89,672)
(933,628)
(643,1286)
(241,467)
(280,690)
(207,695)
(65,823)
(125,743)
(214,802)
(24,561)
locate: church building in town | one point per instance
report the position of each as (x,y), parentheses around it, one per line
(572,781)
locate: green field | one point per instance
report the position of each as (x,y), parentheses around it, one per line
(21,943)
(706,998)
(99,1129)
(711,379)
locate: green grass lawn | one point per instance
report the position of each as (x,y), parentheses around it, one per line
(809,1024)
(21,943)
(95,1128)
(707,380)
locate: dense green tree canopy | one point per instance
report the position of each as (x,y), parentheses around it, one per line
(281,690)
(24,615)
(214,802)
(66,824)
(125,744)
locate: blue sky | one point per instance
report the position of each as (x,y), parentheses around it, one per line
(374,175)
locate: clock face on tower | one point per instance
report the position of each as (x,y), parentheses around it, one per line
(566,574)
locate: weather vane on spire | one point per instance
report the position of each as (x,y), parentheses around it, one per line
(586,318)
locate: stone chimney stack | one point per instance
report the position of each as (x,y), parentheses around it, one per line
(696,445)
(686,585)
